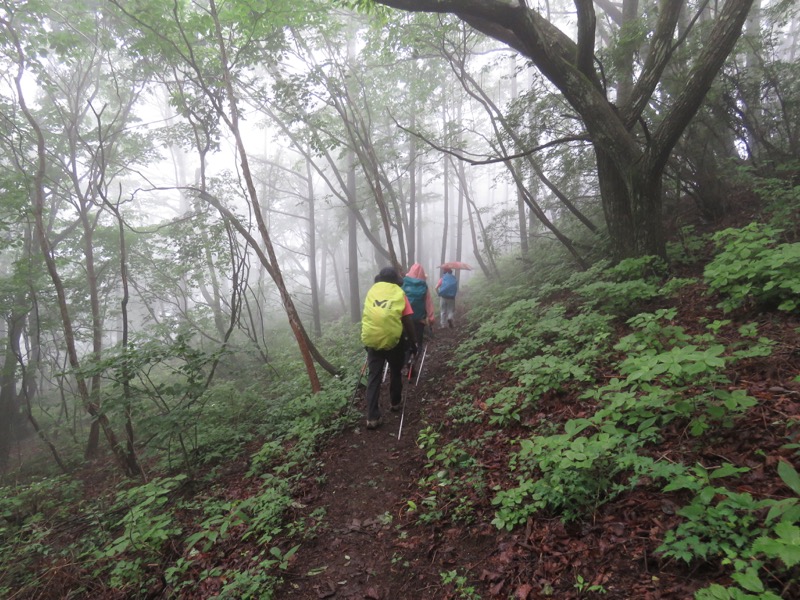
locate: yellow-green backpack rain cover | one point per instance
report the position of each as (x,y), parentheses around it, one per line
(381,324)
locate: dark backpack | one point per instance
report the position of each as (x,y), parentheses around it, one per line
(449,287)
(415,290)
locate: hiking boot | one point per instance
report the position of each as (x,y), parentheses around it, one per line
(397,407)
(373,423)
(450,323)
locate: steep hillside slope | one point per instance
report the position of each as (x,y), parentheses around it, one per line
(627,433)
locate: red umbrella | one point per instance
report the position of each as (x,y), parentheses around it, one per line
(454,264)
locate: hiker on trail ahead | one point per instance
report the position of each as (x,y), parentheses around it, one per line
(447,288)
(416,289)
(387,315)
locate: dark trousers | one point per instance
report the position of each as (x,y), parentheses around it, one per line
(376,359)
(419,329)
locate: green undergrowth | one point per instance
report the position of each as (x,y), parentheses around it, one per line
(168,529)
(611,343)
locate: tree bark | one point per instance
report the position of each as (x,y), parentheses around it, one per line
(446,207)
(312,253)
(8,387)
(411,233)
(352,243)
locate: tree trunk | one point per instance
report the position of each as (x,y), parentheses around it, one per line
(352,243)
(420,226)
(446,196)
(312,253)
(411,233)
(522,217)
(134,466)
(307,348)
(92,445)
(8,389)
(487,272)
(632,209)
(272,266)
(462,176)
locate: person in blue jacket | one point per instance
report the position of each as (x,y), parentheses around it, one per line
(447,288)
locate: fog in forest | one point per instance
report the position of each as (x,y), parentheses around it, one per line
(196,196)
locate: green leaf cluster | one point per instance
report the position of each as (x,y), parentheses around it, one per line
(144,528)
(760,539)
(573,474)
(455,479)
(752,266)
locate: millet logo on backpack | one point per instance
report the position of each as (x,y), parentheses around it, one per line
(380,303)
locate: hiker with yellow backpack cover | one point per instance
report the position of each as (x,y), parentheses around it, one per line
(387,316)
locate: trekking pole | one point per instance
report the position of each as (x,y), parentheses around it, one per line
(421,363)
(385,370)
(358,383)
(402,413)
(412,358)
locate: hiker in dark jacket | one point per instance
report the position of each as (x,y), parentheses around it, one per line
(386,317)
(447,288)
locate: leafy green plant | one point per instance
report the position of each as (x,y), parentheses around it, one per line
(545,373)
(146,526)
(674,285)
(765,553)
(653,331)
(265,510)
(752,266)
(718,592)
(643,411)
(28,515)
(223,516)
(459,584)
(576,473)
(505,406)
(454,479)
(618,298)
(718,523)
(678,365)
(552,332)
(464,412)
(584,586)
(257,581)
(643,267)
(688,247)
(781,194)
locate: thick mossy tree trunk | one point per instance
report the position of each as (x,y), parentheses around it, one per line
(632,207)
(8,405)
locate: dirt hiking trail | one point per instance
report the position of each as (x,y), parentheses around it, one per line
(365,546)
